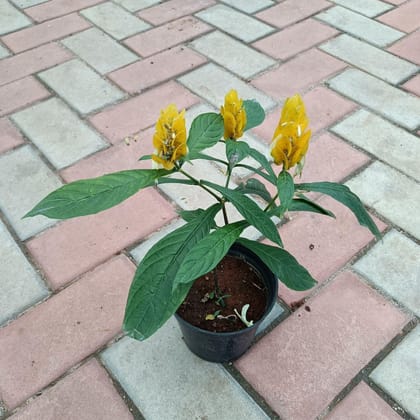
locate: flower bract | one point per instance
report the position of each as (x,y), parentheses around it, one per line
(291,137)
(170,138)
(234,116)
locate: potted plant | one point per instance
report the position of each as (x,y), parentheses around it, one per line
(186,271)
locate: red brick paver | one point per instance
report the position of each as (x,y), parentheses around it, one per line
(408,47)
(405,18)
(9,135)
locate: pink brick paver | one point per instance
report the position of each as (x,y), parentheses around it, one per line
(298,74)
(20,93)
(294,39)
(303,363)
(408,47)
(33,61)
(156,69)
(49,31)
(166,36)
(363,403)
(413,85)
(85,394)
(140,112)
(10,137)
(51,338)
(78,245)
(173,9)
(406,18)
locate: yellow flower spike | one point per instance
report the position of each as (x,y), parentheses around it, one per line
(170,138)
(291,137)
(234,116)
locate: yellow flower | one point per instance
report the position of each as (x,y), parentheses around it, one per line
(234,116)
(291,140)
(170,139)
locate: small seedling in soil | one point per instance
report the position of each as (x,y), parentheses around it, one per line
(242,316)
(212,317)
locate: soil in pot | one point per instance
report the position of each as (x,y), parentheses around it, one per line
(239,283)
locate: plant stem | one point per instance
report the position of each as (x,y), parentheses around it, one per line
(271,202)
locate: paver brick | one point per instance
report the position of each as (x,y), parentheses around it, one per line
(298,74)
(33,61)
(85,394)
(369,8)
(11,19)
(392,265)
(291,11)
(114,20)
(393,103)
(45,32)
(54,8)
(99,50)
(212,83)
(232,54)
(295,39)
(22,4)
(407,47)
(303,388)
(140,112)
(370,59)
(322,244)
(28,181)
(44,343)
(74,247)
(247,6)
(173,9)
(156,69)
(9,135)
(235,23)
(390,193)
(4,52)
(360,26)
(20,93)
(20,285)
(80,86)
(134,5)
(58,132)
(405,18)
(362,403)
(398,374)
(413,85)
(379,137)
(163,361)
(163,37)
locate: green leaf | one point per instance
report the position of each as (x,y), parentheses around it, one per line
(151,300)
(286,189)
(165,180)
(282,264)
(263,161)
(190,215)
(255,187)
(145,157)
(345,196)
(90,196)
(208,252)
(236,151)
(250,211)
(211,158)
(254,113)
(206,130)
(304,204)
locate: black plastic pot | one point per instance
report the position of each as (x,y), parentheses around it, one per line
(228,346)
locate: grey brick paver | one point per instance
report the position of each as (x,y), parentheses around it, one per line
(28,181)
(370,59)
(99,50)
(391,194)
(3,52)
(390,143)
(164,361)
(235,23)
(80,86)
(393,103)
(20,285)
(58,132)
(11,18)
(360,26)
(393,266)
(249,6)
(27,3)
(369,8)
(232,54)
(399,373)
(212,82)
(115,20)
(135,5)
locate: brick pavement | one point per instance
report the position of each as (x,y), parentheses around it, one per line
(77,78)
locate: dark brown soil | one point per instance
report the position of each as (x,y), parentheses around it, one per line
(240,282)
